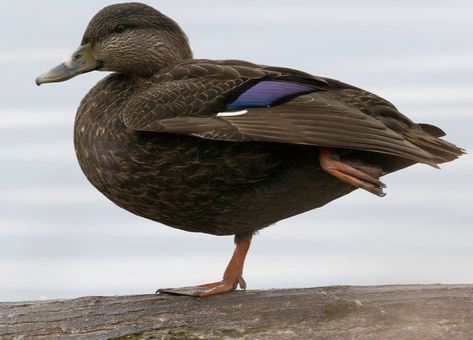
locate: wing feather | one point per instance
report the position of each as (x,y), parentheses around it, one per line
(187,99)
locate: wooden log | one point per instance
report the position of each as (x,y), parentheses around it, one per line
(341,312)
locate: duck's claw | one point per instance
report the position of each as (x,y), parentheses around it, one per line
(356,173)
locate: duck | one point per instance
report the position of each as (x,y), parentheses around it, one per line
(226,147)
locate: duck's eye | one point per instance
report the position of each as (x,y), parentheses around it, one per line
(119,28)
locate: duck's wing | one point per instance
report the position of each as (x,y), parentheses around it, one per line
(237,101)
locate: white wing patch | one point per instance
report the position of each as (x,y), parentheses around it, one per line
(232,113)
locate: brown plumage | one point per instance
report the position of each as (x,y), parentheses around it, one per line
(164,138)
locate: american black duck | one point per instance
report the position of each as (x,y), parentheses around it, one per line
(226,147)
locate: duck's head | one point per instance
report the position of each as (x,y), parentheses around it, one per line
(130,38)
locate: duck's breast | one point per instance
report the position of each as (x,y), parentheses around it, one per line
(185,182)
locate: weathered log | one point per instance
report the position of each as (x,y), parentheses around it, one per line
(342,312)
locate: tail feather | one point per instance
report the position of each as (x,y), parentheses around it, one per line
(432,130)
(427,139)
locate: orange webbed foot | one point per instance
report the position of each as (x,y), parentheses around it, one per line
(208,289)
(353,172)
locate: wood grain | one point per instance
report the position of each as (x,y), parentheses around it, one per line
(343,312)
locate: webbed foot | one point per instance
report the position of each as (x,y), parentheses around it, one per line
(356,173)
(207,289)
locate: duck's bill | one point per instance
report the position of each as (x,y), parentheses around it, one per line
(80,62)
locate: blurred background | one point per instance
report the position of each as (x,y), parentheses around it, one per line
(59,237)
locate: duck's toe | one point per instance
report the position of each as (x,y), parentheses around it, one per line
(187,291)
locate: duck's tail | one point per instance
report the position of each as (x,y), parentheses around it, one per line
(428,139)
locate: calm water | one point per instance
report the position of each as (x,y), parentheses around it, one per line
(60,238)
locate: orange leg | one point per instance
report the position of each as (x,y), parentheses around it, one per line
(232,276)
(355,173)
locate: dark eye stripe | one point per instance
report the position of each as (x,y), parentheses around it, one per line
(119,28)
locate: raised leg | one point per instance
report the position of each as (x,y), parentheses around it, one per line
(232,277)
(356,173)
